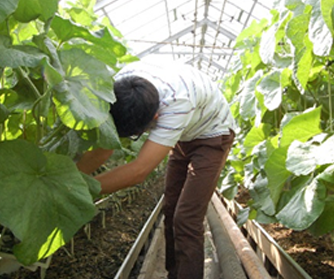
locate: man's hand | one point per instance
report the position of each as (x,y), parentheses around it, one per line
(135,172)
(92,160)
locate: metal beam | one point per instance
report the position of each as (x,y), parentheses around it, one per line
(189,53)
(168,22)
(200,56)
(195,26)
(217,30)
(169,39)
(221,30)
(244,26)
(202,23)
(204,28)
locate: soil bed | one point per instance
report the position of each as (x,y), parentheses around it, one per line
(314,254)
(102,255)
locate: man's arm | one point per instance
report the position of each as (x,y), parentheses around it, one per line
(92,160)
(149,157)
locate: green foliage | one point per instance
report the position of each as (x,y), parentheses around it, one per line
(283,104)
(56,79)
(53,191)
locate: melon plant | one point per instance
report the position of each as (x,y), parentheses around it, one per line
(56,79)
(281,90)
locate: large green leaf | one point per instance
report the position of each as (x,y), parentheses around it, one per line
(88,4)
(256,135)
(7,7)
(276,172)
(302,65)
(107,135)
(286,78)
(296,6)
(327,7)
(83,101)
(260,110)
(260,154)
(82,15)
(304,207)
(325,223)
(246,37)
(66,29)
(128,58)
(22,97)
(261,195)
(104,136)
(301,158)
(25,31)
(319,32)
(66,142)
(17,56)
(270,87)
(297,33)
(243,216)
(51,75)
(106,55)
(4,112)
(325,152)
(302,127)
(31,9)
(228,187)
(268,44)
(292,187)
(327,177)
(269,39)
(248,98)
(94,187)
(284,18)
(55,204)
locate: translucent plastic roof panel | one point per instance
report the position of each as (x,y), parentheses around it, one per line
(199,32)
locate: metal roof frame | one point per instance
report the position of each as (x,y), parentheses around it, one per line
(199,32)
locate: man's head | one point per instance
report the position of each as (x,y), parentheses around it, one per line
(137,102)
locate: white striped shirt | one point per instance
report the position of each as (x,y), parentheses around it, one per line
(191,105)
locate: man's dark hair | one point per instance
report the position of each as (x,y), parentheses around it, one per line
(137,101)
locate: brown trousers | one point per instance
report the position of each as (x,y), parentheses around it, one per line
(192,174)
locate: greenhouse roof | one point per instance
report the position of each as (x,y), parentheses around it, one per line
(198,32)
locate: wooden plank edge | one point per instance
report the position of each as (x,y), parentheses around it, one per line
(149,263)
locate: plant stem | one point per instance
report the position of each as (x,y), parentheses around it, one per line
(37,118)
(24,123)
(8,30)
(47,25)
(31,84)
(38,96)
(1,86)
(1,235)
(313,96)
(330,103)
(56,131)
(2,78)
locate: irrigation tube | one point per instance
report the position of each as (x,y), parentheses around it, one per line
(252,264)
(230,266)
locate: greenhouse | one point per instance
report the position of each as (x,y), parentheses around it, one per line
(189,139)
